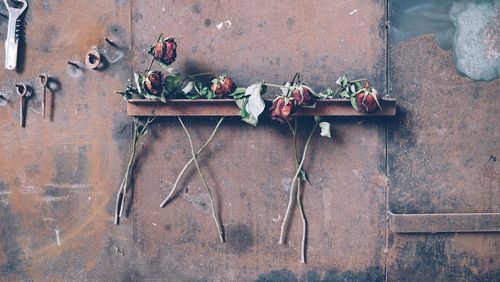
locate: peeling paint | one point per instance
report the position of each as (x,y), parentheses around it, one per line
(468,28)
(227,24)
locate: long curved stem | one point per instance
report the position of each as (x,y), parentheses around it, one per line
(174,188)
(122,192)
(214,212)
(299,198)
(299,168)
(292,190)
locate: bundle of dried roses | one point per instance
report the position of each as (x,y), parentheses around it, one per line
(155,85)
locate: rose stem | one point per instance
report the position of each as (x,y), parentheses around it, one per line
(201,74)
(274,85)
(151,64)
(214,213)
(299,197)
(168,198)
(121,193)
(121,196)
(358,80)
(282,239)
(290,198)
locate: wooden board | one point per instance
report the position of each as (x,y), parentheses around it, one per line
(227,107)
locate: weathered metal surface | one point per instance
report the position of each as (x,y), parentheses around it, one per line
(442,148)
(59,176)
(444,223)
(250,169)
(181,107)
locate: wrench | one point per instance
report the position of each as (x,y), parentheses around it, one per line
(11,43)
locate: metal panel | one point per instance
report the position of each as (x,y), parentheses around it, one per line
(250,169)
(444,223)
(442,148)
(58,175)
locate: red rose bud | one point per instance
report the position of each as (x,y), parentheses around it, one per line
(153,83)
(165,51)
(302,98)
(223,86)
(281,109)
(367,100)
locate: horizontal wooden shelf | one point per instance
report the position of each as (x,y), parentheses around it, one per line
(227,107)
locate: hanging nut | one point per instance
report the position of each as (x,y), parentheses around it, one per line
(93,59)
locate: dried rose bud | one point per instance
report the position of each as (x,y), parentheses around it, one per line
(282,109)
(153,83)
(302,94)
(165,51)
(222,86)
(367,99)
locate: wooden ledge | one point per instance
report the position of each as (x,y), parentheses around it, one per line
(228,108)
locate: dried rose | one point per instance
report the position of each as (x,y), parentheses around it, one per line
(367,99)
(222,86)
(153,83)
(165,50)
(302,94)
(282,109)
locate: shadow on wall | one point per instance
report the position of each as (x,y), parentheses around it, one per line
(471,29)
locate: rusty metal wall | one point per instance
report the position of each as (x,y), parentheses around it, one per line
(442,148)
(59,176)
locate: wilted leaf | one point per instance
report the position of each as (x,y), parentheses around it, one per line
(353,103)
(188,88)
(255,105)
(342,81)
(238,93)
(138,78)
(252,88)
(358,86)
(344,94)
(325,129)
(303,176)
(245,115)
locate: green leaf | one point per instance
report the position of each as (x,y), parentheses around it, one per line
(325,129)
(329,92)
(138,78)
(353,103)
(238,93)
(241,103)
(245,115)
(172,85)
(303,176)
(342,81)
(344,94)
(358,86)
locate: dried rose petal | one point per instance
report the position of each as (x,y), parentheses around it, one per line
(223,86)
(367,101)
(153,83)
(304,98)
(281,110)
(165,51)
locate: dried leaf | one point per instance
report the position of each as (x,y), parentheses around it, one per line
(325,129)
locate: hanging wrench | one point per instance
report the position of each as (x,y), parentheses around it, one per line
(11,43)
